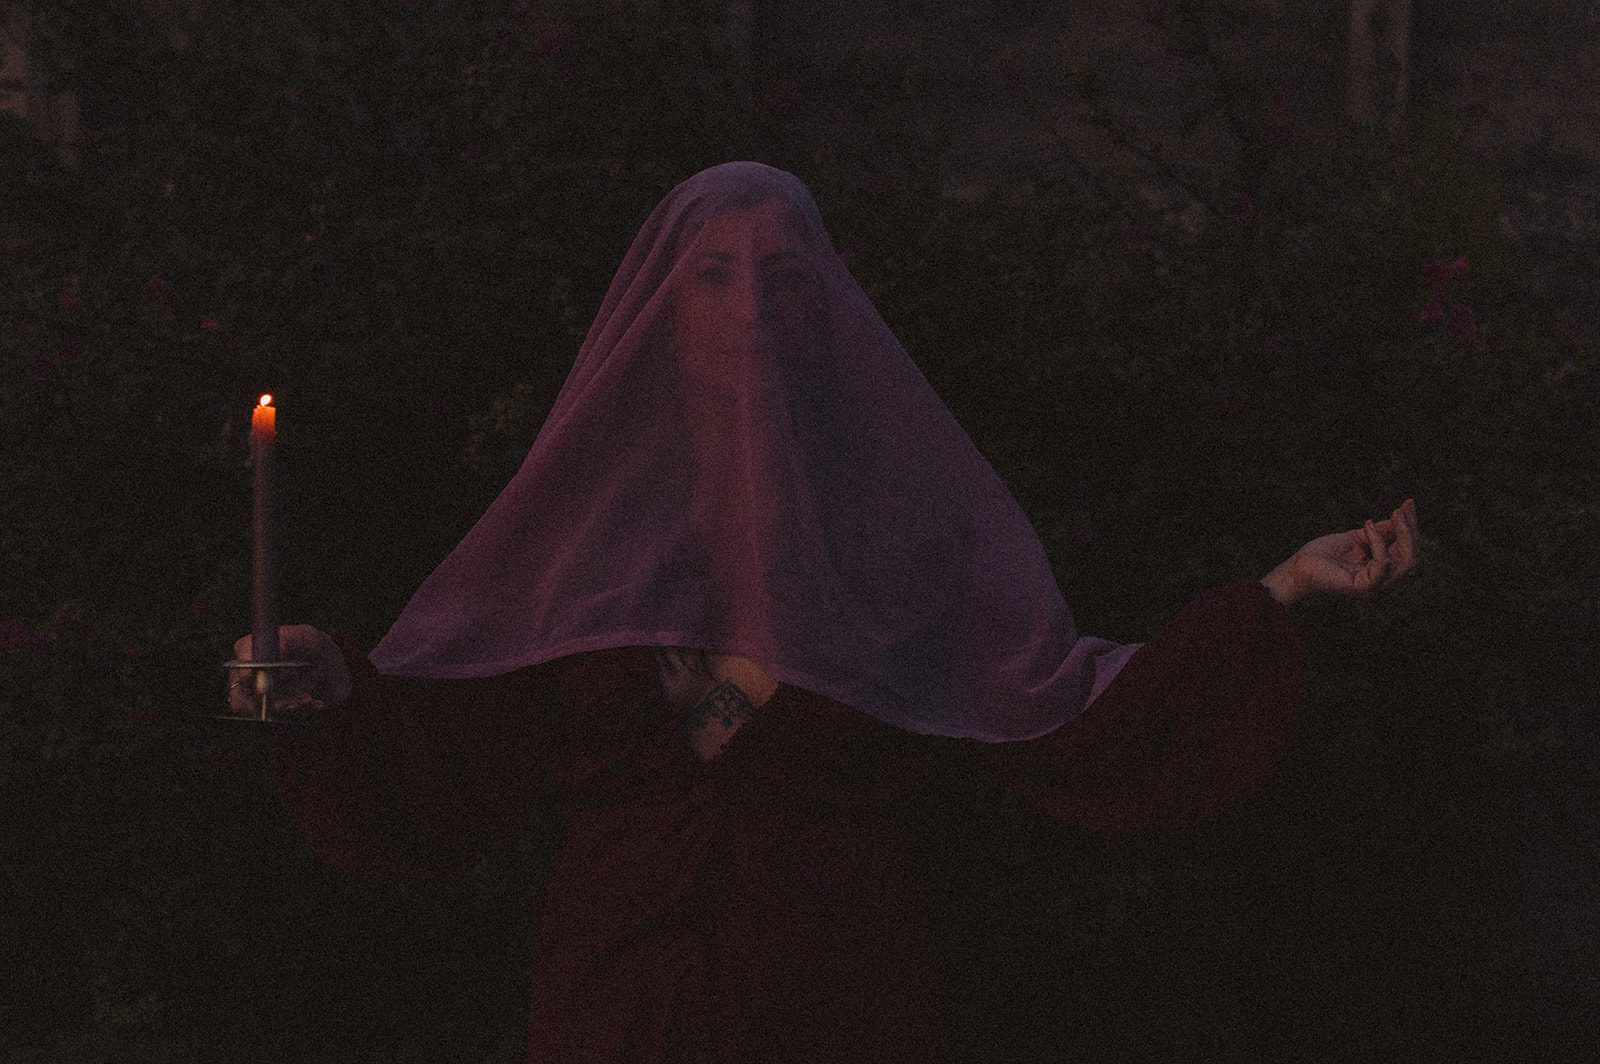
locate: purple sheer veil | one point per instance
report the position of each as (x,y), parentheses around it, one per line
(744,459)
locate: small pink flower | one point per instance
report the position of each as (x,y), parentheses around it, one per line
(200,609)
(17,638)
(1433,313)
(132,652)
(292,95)
(155,288)
(1436,272)
(209,324)
(1275,343)
(39,368)
(68,299)
(1243,209)
(1461,322)
(553,40)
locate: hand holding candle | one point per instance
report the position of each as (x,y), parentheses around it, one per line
(315,675)
(324,683)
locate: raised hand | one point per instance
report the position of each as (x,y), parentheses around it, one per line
(1360,562)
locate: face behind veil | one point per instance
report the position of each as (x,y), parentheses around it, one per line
(745,460)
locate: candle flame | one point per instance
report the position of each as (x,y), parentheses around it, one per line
(266,400)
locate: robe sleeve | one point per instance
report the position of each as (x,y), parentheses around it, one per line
(1195,722)
(411,778)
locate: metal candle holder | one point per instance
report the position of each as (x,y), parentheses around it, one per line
(264,684)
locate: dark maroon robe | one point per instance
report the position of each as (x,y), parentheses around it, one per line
(761,906)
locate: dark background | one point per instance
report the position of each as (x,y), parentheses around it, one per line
(1174,289)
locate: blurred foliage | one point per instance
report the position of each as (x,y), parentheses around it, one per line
(401,223)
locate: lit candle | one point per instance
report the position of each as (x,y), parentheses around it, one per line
(263,570)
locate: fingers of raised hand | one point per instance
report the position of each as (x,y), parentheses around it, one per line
(1405,526)
(1408,515)
(1380,550)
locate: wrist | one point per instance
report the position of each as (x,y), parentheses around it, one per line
(1282,586)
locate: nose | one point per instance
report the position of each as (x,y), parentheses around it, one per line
(748,324)
(748,308)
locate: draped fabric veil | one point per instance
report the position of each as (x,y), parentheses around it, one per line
(744,459)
